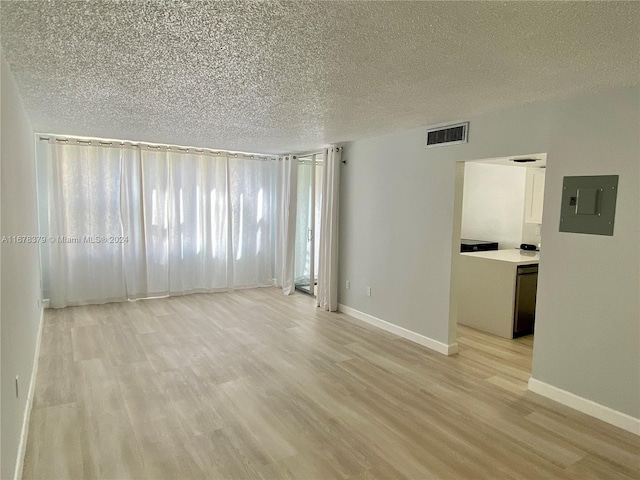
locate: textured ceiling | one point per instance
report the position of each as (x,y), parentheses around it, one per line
(278,77)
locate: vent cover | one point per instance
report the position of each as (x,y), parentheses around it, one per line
(449,135)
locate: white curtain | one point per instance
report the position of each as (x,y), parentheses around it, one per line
(160,223)
(84,186)
(286,188)
(327,290)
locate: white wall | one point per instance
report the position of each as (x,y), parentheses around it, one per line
(493,203)
(397,221)
(20,311)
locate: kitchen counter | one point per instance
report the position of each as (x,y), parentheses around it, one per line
(514,255)
(486,288)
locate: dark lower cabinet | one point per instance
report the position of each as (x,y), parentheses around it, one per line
(524,314)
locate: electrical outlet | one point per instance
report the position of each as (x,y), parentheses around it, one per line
(368,291)
(538,230)
(17,389)
(348,285)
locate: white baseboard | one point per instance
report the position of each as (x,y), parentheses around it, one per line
(22,448)
(400,331)
(601,412)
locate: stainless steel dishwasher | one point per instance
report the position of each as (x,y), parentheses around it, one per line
(524,314)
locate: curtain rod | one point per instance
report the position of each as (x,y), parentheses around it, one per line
(303,155)
(127,143)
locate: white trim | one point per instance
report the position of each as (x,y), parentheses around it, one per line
(400,331)
(22,447)
(45,303)
(584,405)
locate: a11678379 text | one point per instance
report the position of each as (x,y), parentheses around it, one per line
(28,239)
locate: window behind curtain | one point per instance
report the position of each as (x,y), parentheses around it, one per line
(161,222)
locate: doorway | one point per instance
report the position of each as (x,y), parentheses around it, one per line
(309,201)
(497,201)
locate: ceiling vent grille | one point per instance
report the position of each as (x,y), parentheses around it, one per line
(449,135)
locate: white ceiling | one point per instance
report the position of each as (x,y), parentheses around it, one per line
(278,77)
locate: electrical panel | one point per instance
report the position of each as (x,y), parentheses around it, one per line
(589,204)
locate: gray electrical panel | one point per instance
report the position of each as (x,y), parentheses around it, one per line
(589,204)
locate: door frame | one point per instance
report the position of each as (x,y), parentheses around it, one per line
(311,234)
(456,236)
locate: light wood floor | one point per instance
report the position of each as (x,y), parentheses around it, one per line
(253,384)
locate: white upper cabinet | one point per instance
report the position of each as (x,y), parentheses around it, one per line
(534,195)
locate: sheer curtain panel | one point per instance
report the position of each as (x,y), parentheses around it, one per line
(128,223)
(287,184)
(84,200)
(327,290)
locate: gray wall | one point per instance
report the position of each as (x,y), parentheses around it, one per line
(588,330)
(397,219)
(20,310)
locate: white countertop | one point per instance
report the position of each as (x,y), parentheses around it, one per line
(514,255)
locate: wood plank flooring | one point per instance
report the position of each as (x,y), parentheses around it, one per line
(253,384)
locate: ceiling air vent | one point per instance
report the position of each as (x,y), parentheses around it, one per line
(449,135)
